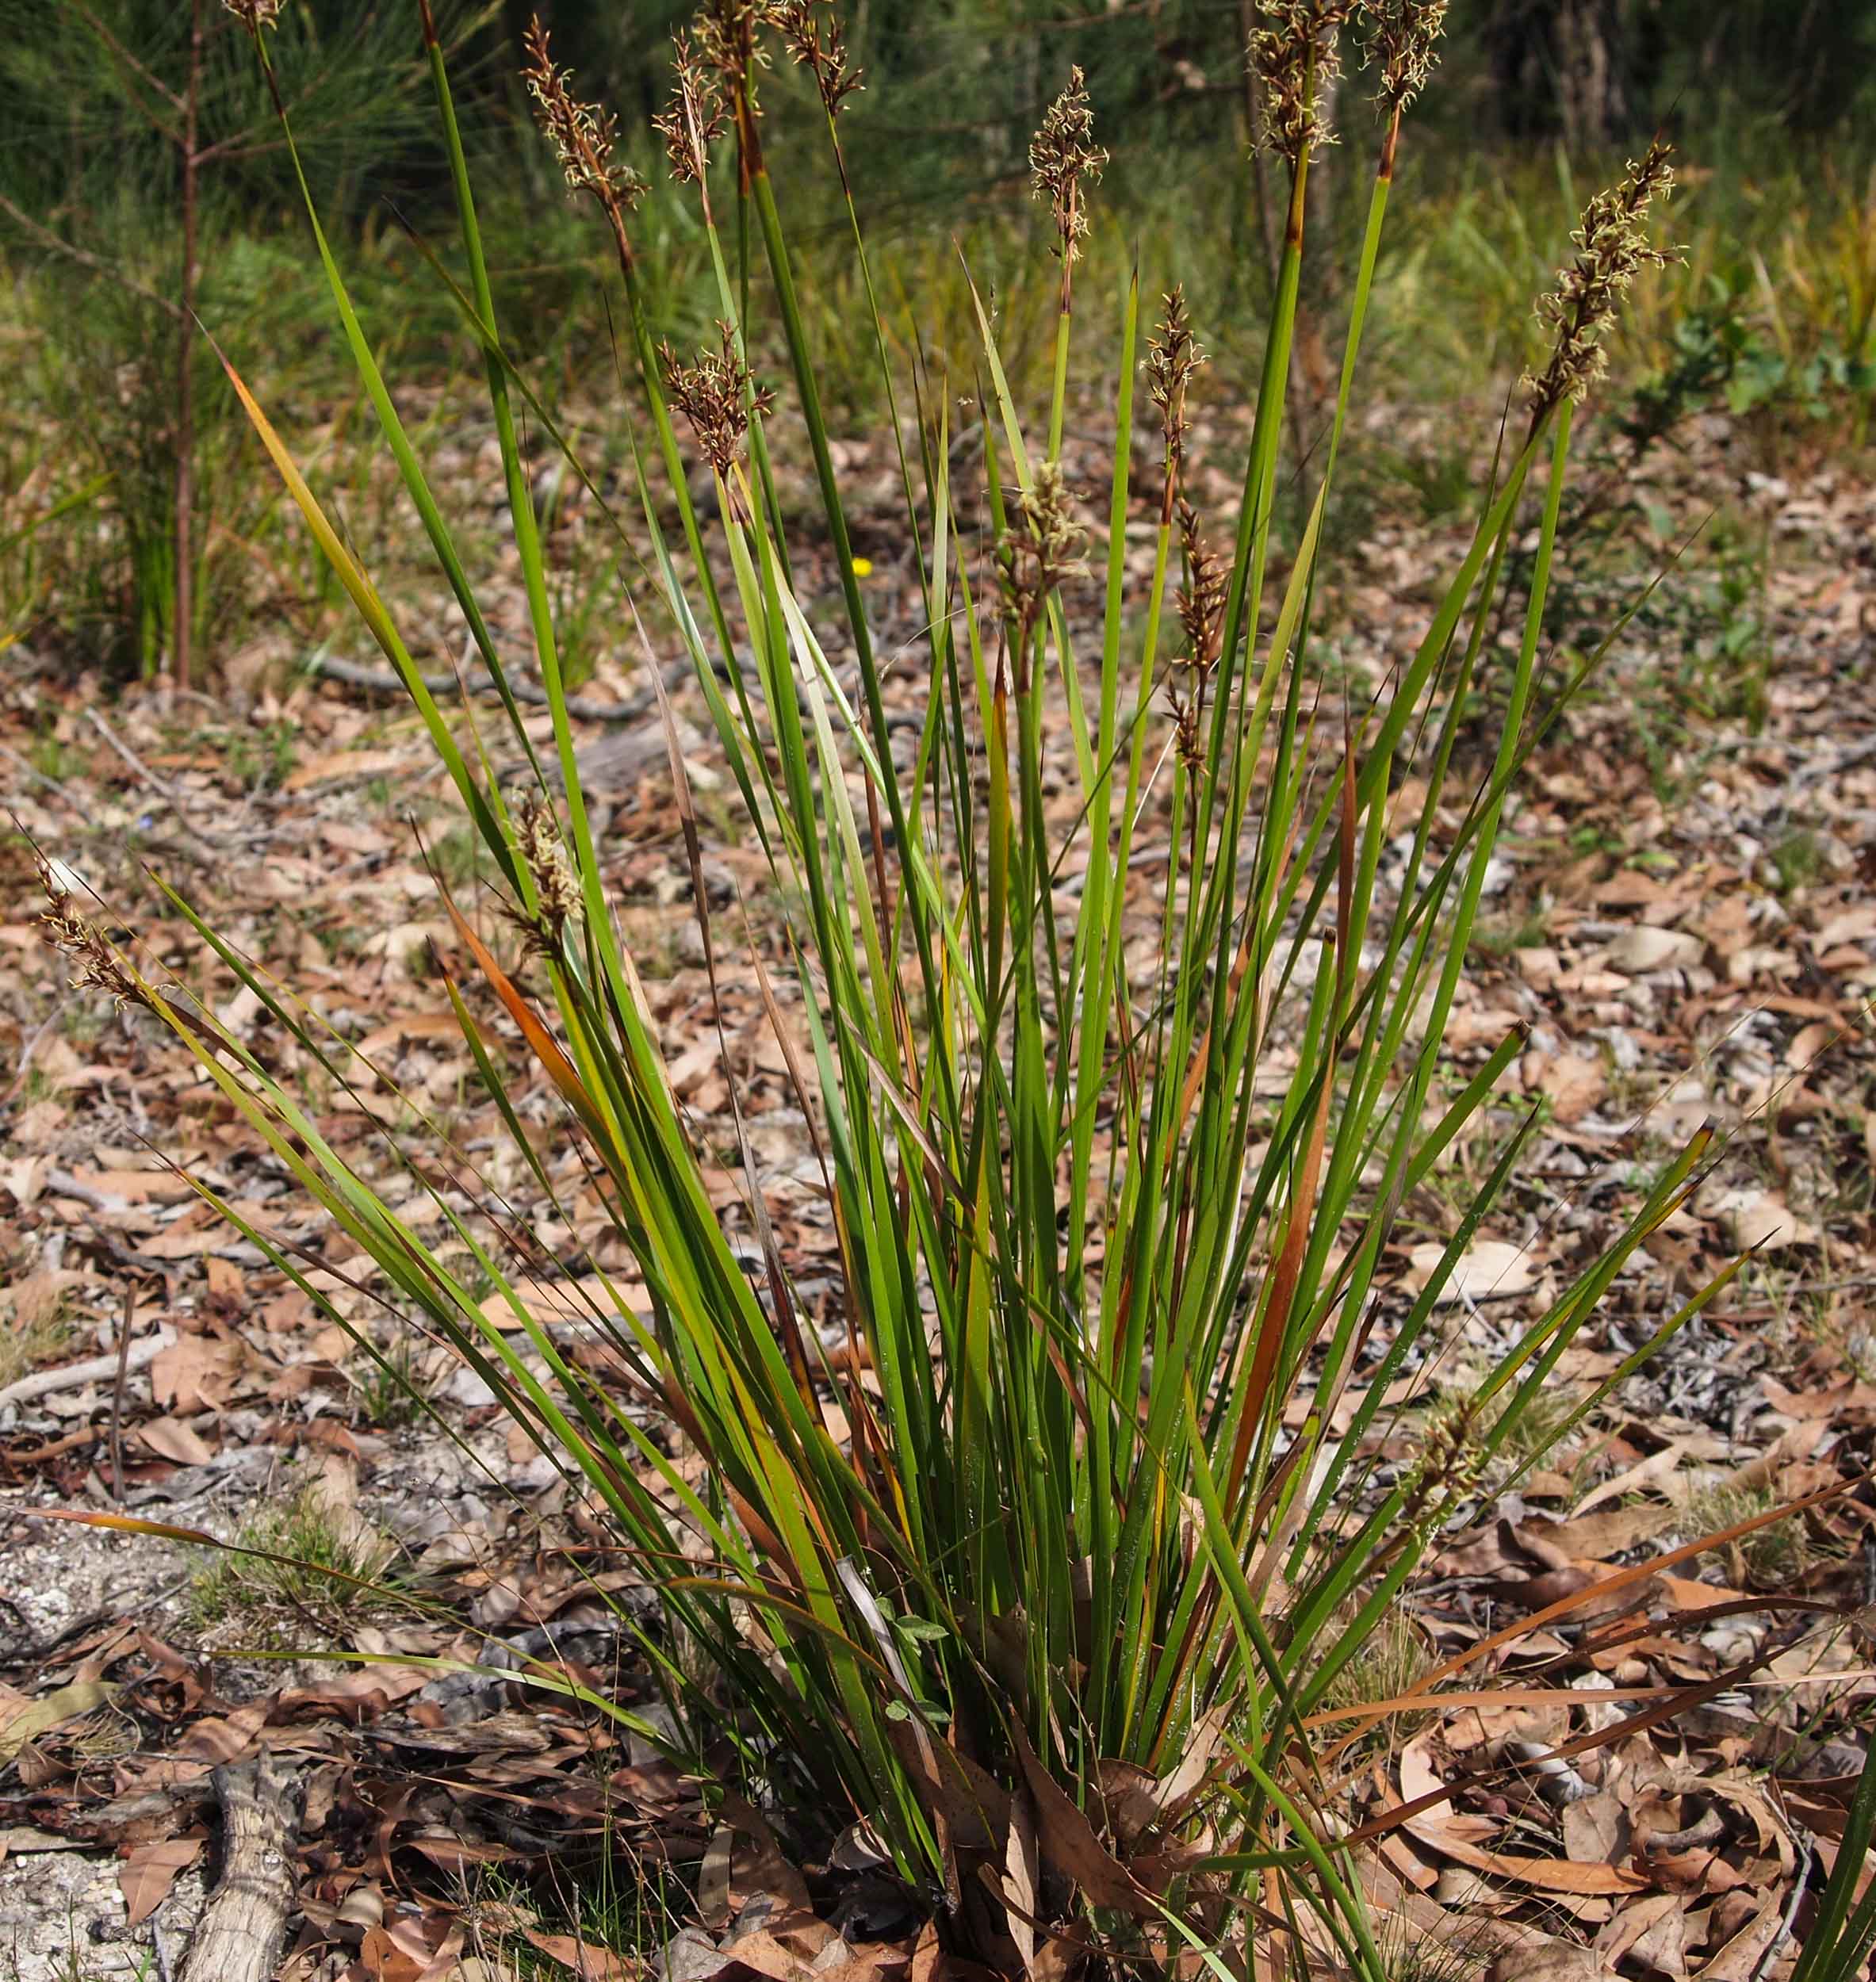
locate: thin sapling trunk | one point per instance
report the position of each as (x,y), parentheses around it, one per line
(183,604)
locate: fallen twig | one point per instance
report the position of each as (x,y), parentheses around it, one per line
(165,791)
(1846,759)
(38,777)
(163,1960)
(243,1927)
(1788,1920)
(382,681)
(62,1184)
(49,1382)
(31,1047)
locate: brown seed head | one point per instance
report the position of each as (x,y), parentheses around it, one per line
(1612,248)
(724,34)
(1172,357)
(1401,35)
(1297,56)
(1061,155)
(582,135)
(698,114)
(96,966)
(1451,1463)
(821,48)
(716,396)
(556,888)
(1202,595)
(1038,554)
(255,14)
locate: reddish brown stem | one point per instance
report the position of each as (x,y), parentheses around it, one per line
(1390,145)
(184,604)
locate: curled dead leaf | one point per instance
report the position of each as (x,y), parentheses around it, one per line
(1069,1843)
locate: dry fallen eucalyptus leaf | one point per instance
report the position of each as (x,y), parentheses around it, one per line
(1457,1837)
(27,1721)
(147,1875)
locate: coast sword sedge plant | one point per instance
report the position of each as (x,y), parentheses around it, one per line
(1043,1572)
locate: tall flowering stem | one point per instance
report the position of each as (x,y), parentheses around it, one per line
(819,46)
(1297,56)
(695,118)
(1402,37)
(1063,157)
(1172,356)
(724,34)
(1612,248)
(585,138)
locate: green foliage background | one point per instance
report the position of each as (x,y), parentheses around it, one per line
(1771,98)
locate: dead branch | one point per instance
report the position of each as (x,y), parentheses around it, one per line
(244,1927)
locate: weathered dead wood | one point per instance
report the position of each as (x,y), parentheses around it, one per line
(382,681)
(244,1927)
(49,1382)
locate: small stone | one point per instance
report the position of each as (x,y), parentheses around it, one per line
(464,1386)
(691,1956)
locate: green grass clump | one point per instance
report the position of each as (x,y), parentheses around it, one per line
(1776,1556)
(1049,1566)
(1391,1662)
(390,1387)
(1799,860)
(297,1569)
